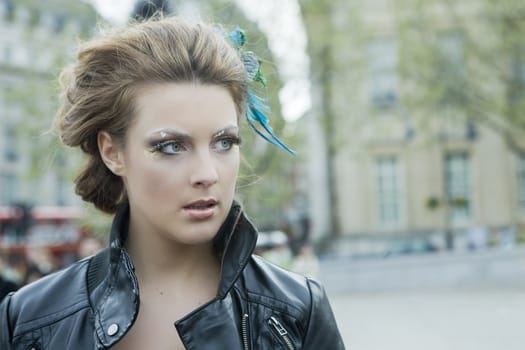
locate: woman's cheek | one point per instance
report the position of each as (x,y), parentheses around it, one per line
(157,181)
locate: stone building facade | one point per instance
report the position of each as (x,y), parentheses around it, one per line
(392,174)
(38,38)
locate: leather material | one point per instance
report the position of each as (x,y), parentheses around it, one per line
(258,305)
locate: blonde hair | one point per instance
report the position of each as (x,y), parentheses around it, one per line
(98,90)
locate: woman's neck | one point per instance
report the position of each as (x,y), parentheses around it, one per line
(158,259)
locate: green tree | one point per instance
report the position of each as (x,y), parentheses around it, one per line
(462,64)
(465,61)
(266,182)
(317,16)
(30,91)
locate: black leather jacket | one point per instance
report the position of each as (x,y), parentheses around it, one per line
(94,302)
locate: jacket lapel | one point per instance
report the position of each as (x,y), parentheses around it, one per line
(114,293)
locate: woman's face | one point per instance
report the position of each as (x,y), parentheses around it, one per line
(181,159)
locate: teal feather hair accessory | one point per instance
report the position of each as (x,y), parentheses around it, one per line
(256,108)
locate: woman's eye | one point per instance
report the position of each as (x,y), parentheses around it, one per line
(169,147)
(226,144)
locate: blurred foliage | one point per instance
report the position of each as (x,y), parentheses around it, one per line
(30,90)
(318,25)
(265,183)
(57,10)
(77,9)
(435,202)
(266,180)
(97,223)
(35,98)
(460,64)
(520,239)
(465,60)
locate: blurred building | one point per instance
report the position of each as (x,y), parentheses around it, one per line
(395,171)
(38,38)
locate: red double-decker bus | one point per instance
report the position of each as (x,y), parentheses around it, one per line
(57,229)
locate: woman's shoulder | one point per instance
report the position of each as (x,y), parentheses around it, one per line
(276,286)
(297,303)
(54,296)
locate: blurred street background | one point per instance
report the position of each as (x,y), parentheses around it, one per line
(465,301)
(471,319)
(406,198)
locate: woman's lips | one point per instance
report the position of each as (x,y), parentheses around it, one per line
(201,209)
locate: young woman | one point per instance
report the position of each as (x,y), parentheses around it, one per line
(156,107)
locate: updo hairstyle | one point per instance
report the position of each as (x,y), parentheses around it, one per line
(98,90)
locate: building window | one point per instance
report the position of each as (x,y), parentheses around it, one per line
(22,15)
(452,69)
(8,186)
(7,9)
(451,51)
(7,54)
(521,180)
(517,80)
(47,21)
(382,70)
(10,153)
(388,190)
(60,21)
(457,176)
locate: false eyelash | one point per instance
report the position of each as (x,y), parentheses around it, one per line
(156,146)
(235,140)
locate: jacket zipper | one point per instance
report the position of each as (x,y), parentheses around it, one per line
(283,333)
(245,331)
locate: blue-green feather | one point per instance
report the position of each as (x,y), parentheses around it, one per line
(256,107)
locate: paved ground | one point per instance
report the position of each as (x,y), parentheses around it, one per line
(467,319)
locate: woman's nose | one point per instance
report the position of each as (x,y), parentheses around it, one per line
(204,172)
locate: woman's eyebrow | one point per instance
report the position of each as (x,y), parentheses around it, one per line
(168,134)
(228,129)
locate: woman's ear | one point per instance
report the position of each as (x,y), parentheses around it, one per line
(111,153)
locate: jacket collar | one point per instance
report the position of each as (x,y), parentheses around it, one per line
(113,286)
(234,243)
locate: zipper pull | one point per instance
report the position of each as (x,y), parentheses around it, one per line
(278,326)
(244,326)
